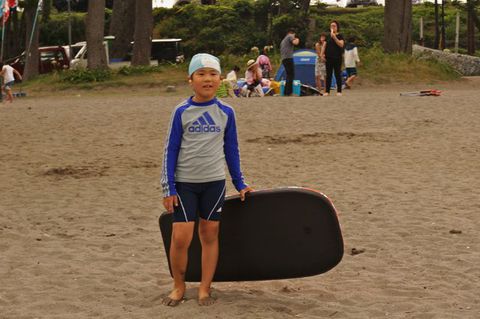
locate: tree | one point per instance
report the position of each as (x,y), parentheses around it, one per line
(31,36)
(143,32)
(398,26)
(437,33)
(46,10)
(471,27)
(96,58)
(14,36)
(123,17)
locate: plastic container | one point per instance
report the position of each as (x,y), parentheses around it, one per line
(295,87)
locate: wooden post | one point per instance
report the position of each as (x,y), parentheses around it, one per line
(471,28)
(422,42)
(457,32)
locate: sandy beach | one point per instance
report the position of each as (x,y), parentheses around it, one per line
(80,199)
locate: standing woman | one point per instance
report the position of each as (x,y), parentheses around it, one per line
(333,56)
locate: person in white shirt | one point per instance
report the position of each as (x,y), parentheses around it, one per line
(8,73)
(351,60)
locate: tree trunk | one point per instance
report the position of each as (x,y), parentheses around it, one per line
(123,18)
(398,26)
(96,55)
(31,37)
(46,10)
(437,33)
(143,33)
(14,36)
(471,27)
(310,41)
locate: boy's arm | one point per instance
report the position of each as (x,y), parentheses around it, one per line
(18,74)
(357,59)
(232,154)
(172,149)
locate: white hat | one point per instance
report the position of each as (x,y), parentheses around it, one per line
(203,60)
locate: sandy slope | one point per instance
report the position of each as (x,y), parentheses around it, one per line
(80,198)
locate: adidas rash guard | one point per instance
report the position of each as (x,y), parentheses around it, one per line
(200,138)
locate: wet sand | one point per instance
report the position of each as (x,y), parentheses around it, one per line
(80,198)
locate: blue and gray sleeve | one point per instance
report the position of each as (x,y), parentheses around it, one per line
(172,149)
(232,154)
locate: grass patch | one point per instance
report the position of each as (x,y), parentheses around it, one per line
(380,68)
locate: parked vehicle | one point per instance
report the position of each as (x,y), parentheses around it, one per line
(51,58)
(165,50)
(80,54)
(355,3)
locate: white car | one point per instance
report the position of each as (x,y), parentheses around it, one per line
(79,53)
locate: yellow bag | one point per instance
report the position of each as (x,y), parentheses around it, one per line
(275,86)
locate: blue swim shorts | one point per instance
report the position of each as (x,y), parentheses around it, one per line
(9,85)
(199,199)
(351,71)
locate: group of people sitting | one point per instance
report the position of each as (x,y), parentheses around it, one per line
(255,83)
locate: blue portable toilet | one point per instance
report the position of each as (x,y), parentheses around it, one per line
(304,61)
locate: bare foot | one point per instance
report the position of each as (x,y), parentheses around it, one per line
(174,298)
(326,94)
(205,298)
(339,94)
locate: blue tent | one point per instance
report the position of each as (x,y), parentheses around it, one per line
(304,61)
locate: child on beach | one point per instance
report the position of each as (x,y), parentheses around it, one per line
(202,134)
(8,73)
(351,60)
(320,68)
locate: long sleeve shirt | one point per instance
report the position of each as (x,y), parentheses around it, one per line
(253,75)
(200,138)
(351,58)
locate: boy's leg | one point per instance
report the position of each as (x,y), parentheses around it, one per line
(208,233)
(181,238)
(9,95)
(350,79)
(211,204)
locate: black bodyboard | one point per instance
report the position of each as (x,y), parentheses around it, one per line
(279,233)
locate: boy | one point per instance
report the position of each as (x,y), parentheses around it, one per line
(7,72)
(351,60)
(320,68)
(202,134)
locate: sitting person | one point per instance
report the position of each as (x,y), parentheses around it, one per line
(253,77)
(264,62)
(232,78)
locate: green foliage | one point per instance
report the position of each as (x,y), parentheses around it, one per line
(366,24)
(55,30)
(78,76)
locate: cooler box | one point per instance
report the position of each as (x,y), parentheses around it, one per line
(295,87)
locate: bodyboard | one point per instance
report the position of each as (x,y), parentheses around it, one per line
(279,233)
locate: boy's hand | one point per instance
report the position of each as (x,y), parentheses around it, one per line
(247,189)
(169,203)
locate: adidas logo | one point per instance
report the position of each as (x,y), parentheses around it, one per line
(204,124)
